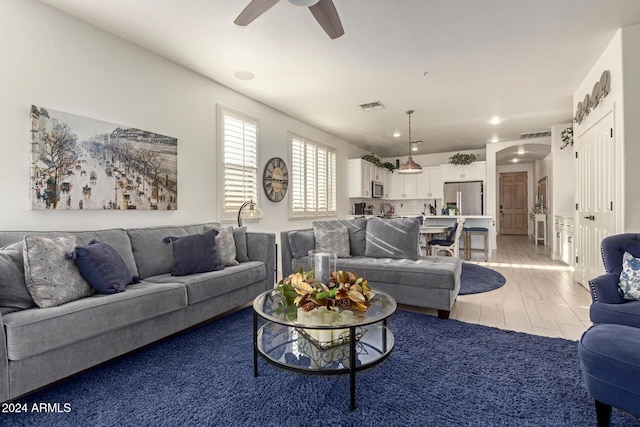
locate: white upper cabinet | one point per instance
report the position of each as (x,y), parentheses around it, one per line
(429,183)
(476,171)
(402,186)
(361,174)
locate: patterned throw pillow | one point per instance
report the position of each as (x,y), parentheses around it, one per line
(336,240)
(52,279)
(226,247)
(393,238)
(629,285)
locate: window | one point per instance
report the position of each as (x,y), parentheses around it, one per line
(312,178)
(239,136)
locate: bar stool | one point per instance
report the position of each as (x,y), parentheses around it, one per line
(476,231)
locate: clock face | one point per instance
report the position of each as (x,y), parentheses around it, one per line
(275,179)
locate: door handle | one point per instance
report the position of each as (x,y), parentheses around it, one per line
(590,217)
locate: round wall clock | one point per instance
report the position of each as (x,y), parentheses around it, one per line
(275,179)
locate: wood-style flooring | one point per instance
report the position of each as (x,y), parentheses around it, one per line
(539,297)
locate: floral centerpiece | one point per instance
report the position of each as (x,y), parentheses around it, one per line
(345,291)
(310,302)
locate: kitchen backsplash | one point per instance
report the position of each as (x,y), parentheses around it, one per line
(401,207)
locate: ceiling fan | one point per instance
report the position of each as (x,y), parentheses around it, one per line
(323,10)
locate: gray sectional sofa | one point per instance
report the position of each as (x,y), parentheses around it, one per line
(384,251)
(41,345)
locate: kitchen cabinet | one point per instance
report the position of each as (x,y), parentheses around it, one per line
(429,183)
(402,186)
(361,174)
(564,240)
(476,171)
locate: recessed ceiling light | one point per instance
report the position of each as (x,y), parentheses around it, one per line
(521,151)
(495,139)
(244,75)
(515,160)
(396,134)
(495,120)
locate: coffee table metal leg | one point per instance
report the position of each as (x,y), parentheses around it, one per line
(255,344)
(352,367)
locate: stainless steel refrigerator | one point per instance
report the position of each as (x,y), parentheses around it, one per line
(468,197)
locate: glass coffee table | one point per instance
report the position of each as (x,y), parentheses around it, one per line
(344,347)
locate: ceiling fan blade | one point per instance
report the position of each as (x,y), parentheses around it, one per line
(253,10)
(327,16)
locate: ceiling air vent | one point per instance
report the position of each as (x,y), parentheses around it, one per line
(372,106)
(532,135)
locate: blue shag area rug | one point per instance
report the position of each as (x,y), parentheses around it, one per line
(441,373)
(476,279)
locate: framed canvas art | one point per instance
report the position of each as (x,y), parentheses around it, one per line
(83,163)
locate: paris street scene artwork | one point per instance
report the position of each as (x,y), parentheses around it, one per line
(83,163)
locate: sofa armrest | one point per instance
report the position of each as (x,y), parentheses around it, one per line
(4,365)
(262,247)
(604,289)
(285,254)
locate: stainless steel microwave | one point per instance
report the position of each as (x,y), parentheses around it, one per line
(377,189)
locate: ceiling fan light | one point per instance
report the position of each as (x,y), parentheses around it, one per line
(303,3)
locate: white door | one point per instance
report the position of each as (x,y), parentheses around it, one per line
(595,183)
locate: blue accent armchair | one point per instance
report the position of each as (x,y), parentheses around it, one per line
(608,305)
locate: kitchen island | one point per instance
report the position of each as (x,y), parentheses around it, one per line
(484,221)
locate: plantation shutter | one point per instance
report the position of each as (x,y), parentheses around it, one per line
(313,178)
(240,161)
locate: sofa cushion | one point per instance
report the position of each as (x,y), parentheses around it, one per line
(240,238)
(424,272)
(32,332)
(117,238)
(336,240)
(102,267)
(393,238)
(152,255)
(13,290)
(357,233)
(195,253)
(301,242)
(203,286)
(52,279)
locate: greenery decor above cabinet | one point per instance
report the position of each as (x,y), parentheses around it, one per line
(361,174)
(476,171)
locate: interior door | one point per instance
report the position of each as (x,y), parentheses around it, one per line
(595,181)
(513,203)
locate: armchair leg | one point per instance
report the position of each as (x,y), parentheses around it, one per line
(603,414)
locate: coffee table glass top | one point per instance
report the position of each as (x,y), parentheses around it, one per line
(268,306)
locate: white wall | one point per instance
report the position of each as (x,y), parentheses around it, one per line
(491,186)
(55,61)
(563,171)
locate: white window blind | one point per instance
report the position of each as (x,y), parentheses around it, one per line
(313,178)
(240,155)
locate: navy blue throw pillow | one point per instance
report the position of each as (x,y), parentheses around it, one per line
(102,267)
(195,253)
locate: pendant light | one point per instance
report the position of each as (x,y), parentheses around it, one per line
(410,166)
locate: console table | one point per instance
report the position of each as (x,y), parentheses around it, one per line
(539,219)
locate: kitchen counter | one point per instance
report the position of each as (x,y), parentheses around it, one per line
(484,221)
